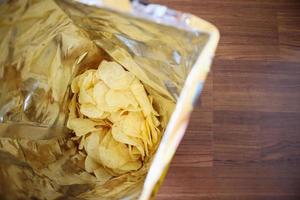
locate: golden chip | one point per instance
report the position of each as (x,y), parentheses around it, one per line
(113,154)
(114,75)
(86,96)
(90,165)
(130,166)
(102,175)
(139,92)
(83,126)
(92,143)
(132,124)
(91,111)
(120,99)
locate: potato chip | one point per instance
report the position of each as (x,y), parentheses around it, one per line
(118,134)
(113,154)
(115,116)
(84,81)
(114,75)
(86,96)
(87,79)
(141,96)
(132,124)
(155,120)
(91,111)
(82,142)
(120,99)
(99,92)
(75,85)
(95,79)
(146,137)
(83,126)
(102,175)
(134,152)
(92,143)
(130,166)
(90,165)
(153,129)
(72,108)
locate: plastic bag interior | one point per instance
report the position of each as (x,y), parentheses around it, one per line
(44,45)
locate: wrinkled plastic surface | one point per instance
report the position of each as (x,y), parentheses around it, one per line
(44,44)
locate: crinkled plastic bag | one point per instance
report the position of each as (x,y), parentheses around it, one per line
(45,44)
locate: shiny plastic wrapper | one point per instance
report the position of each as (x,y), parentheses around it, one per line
(45,44)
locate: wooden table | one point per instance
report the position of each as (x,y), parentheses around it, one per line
(243,141)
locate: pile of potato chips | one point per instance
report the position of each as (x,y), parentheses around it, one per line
(114,120)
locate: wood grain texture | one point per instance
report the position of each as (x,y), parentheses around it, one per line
(243,141)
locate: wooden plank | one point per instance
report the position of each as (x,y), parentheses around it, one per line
(248,118)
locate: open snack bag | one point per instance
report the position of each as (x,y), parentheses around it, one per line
(95,96)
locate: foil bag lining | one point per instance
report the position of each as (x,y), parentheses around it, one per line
(44,44)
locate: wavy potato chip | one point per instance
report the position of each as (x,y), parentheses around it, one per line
(99,93)
(102,175)
(130,166)
(72,108)
(91,111)
(75,85)
(83,81)
(83,126)
(120,99)
(134,152)
(92,143)
(90,165)
(87,79)
(139,92)
(86,96)
(118,135)
(114,75)
(113,154)
(82,141)
(132,124)
(115,116)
